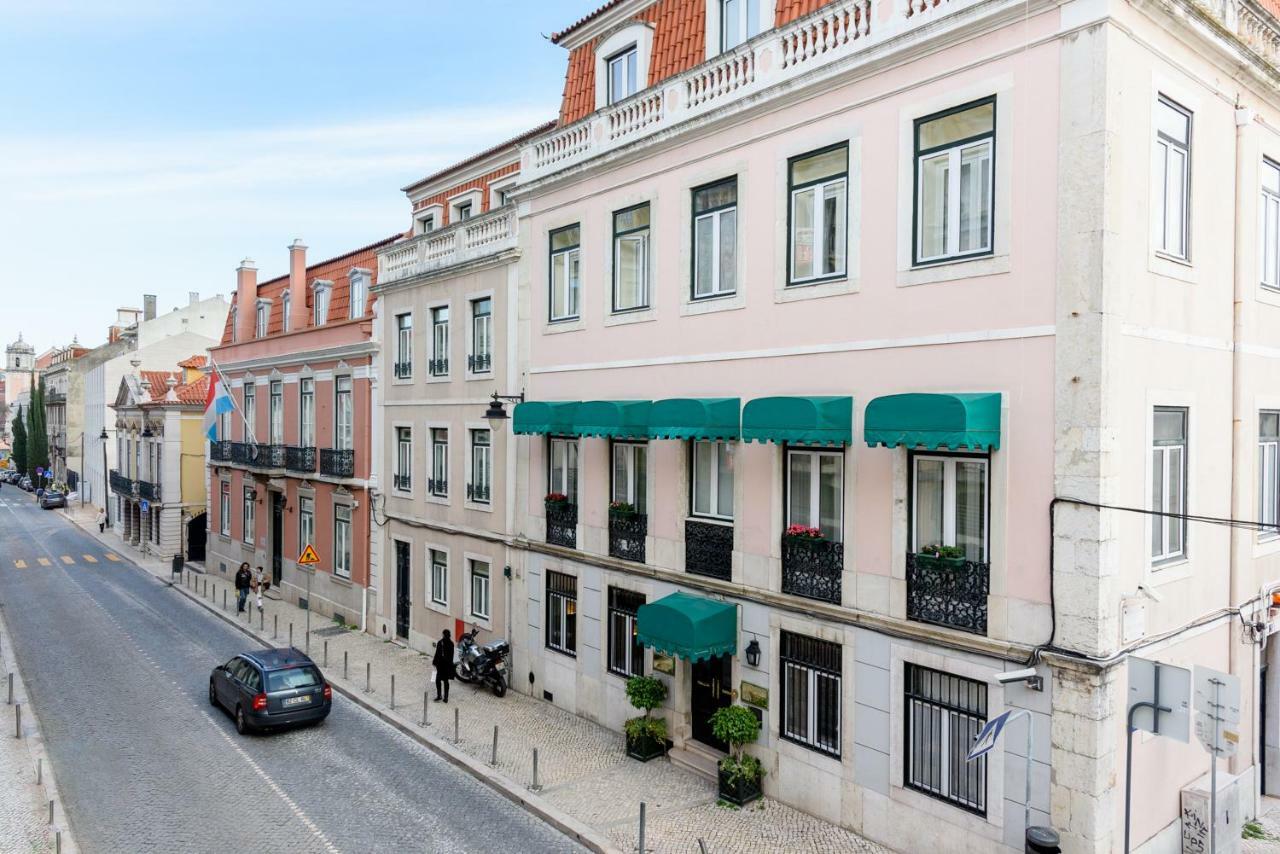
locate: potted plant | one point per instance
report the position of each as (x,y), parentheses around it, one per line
(621,508)
(940,557)
(740,773)
(646,736)
(556,498)
(803,535)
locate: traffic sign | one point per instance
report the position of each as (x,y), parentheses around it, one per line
(1175,695)
(308,556)
(1217,711)
(144,505)
(988,735)
(39,470)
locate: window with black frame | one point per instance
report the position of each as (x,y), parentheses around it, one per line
(943,714)
(566,259)
(715,239)
(626,653)
(1169,484)
(439,485)
(1269,473)
(631,258)
(404,346)
(404,459)
(811,681)
(818,190)
(562,613)
(949,502)
(955,182)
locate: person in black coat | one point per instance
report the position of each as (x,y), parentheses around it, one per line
(443,663)
(243,579)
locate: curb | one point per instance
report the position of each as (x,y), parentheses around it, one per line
(571,827)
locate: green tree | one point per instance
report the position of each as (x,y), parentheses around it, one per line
(37,436)
(20,443)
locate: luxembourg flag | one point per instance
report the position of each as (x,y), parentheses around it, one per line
(216,404)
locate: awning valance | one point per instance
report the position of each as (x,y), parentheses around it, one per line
(707,418)
(537,417)
(934,421)
(690,627)
(809,420)
(616,419)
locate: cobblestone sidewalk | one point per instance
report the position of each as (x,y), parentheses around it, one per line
(1269,819)
(582,770)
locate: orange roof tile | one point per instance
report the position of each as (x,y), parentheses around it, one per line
(193,362)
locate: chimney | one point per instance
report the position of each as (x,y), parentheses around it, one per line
(246,298)
(297,285)
(193,297)
(148,306)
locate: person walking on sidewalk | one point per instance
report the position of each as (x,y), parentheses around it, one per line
(102,521)
(243,581)
(262,582)
(442,661)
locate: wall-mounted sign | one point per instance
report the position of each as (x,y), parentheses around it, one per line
(755,695)
(664,663)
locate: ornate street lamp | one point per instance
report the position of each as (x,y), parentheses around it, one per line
(496,414)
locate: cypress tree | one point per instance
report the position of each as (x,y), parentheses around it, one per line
(20,443)
(37,438)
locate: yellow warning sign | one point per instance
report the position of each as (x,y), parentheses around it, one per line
(308,556)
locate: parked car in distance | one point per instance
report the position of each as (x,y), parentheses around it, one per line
(271,688)
(26,484)
(52,498)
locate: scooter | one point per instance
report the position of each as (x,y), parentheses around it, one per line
(486,664)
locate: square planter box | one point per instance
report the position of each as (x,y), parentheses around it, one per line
(924,561)
(740,792)
(645,748)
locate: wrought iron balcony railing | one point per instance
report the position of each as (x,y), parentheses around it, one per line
(268,456)
(301,460)
(812,568)
(148,490)
(338,463)
(438,488)
(403,370)
(708,549)
(626,535)
(120,483)
(220,452)
(562,524)
(242,453)
(478,492)
(401,482)
(480,363)
(948,593)
(438,367)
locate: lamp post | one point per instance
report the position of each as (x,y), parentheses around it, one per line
(106,489)
(496,414)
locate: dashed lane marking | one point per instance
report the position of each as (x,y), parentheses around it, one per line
(113,558)
(44,561)
(68,559)
(20,564)
(89,558)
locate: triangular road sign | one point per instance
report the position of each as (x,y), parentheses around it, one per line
(988,735)
(308,556)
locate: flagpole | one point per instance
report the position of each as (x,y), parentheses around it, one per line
(234,405)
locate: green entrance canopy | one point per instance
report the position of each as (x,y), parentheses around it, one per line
(690,627)
(811,420)
(617,419)
(708,418)
(934,421)
(536,417)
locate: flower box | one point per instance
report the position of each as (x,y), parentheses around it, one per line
(645,747)
(738,790)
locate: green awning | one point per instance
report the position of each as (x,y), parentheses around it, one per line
(708,418)
(934,421)
(810,420)
(617,419)
(537,417)
(690,627)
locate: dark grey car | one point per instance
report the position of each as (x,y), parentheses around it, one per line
(271,688)
(52,498)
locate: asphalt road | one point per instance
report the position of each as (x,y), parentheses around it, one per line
(117,668)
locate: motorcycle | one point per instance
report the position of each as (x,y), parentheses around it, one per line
(486,664)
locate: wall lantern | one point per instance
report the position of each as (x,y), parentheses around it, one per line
(753,653)
(496,414)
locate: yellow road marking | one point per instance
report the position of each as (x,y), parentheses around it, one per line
(43,561)
(20,564)
(68,559)
(89,558)
(109,556)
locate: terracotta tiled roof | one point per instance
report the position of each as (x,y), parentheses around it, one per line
(590,16)
(480,183)
(475,158)
(187,393)
(193,362)
(193,392)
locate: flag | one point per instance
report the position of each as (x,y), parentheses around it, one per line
(217,403)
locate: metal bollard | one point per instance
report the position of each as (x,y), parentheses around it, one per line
(57,842)
(493,757)
(642,827)
(39,771)
(424,721)
(224,598)
(456,738)
(344,664)
(393,692)
(535,787)
(326,653)
(10,688)
(702,846)
(291,634)
(262,619)
(51,811)
(275,626)
(368,677)
(17,721)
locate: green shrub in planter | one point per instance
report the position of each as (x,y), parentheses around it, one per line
(944,557)
(740,774)
(646,736)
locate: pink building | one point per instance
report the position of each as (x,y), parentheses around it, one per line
(297,355)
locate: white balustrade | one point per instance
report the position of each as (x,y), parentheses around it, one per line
(831,29)
(468,240)
(721,77)
(633,114)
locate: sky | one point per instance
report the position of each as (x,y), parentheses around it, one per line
(146,146)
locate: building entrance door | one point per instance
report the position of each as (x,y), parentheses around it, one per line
(277,538)
(712,678)
(402,589)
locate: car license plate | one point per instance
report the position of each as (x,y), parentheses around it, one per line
(298,701)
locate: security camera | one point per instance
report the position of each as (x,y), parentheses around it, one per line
(1027,675)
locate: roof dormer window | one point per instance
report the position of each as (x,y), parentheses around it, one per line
(359,279)
(622,74)
(261,318)
(739,21)
(622,62)
(320,302)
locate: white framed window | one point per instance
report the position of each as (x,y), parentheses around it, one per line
(562,613)
(342,540)
(626,653)
(224,509)
(1269,472)
(462,211)
(343,414)
(949,503)
(815,491)
(622,68)
(306,521)
(1171,173)
(250,408)
(715,239)
(261,317)
(481,360)
(481,467)
(426,223)
(404,459)
(358,284)
(285,321)
(713,479)
(1269,226)
(1169,483)
(562,474)
(249,510)
(631,258)
(566,281)
(404,346)
(320,305)
(307,412)
(439,576)
(439,485)
(224,426)
(275,409)
(812,674)
(629,484)
(818,238)
(955,182)
(480,589)
(739,22)
(440,341)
